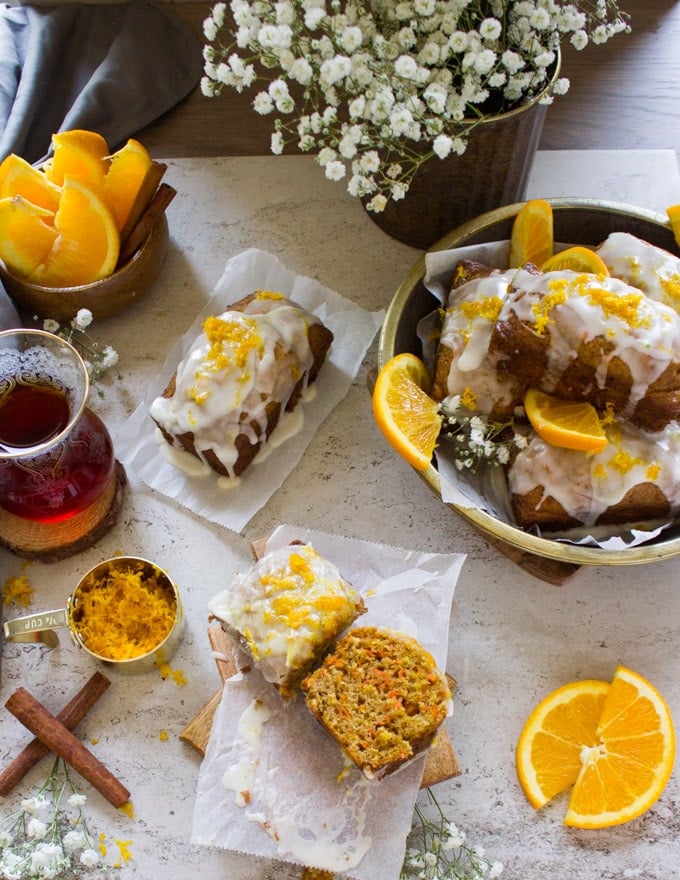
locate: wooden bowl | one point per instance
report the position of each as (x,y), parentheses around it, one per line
(103,298)
(577,221)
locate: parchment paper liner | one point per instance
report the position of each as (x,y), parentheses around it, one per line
(296,787)
(488,492)
(136,441)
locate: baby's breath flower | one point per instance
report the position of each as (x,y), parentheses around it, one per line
(97,359)
(437,849)
(415,76)
(58,845)
(475,440)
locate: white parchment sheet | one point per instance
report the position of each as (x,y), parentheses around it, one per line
(137,441)
(305,805)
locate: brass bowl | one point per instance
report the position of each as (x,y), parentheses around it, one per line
(577,221)
(104,298)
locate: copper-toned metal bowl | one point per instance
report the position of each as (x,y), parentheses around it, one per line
(104,298)
(577,221)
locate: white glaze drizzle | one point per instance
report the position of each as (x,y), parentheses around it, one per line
(467,334)
(239,777)
(586,485)
(644,333)
(239,363)
(654,271)
(285,607)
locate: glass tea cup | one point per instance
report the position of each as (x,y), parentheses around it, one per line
(56,456)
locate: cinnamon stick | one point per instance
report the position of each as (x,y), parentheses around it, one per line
(71,715)
(58,738)
(148,219)
(150,184)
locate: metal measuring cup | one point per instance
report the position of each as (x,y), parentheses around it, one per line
(40,627)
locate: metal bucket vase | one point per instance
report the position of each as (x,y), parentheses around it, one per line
(493,171)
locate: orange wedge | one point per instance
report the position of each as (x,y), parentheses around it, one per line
(614,743)
(27,234)
(124,178)
(407,416)
(79,154)
(570,425)
(88,243)
(531,239)
(674,218)
(19,178)
(577,259)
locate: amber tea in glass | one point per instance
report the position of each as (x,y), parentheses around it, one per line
(56,456)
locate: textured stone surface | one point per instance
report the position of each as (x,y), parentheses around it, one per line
(513,637)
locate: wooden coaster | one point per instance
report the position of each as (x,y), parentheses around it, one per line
(50,542)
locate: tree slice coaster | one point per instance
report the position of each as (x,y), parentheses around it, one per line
(50,542)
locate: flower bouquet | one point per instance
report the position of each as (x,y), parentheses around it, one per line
(377,88)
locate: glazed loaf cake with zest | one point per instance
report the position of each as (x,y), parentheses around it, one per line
(249,365)
(286,612)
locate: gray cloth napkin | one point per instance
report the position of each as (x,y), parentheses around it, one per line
(109,68)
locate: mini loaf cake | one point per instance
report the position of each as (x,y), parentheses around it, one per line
(248,366)
(287,611)
(380,696)
(590,338)
(634,480)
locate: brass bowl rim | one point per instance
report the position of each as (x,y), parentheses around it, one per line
(652,552)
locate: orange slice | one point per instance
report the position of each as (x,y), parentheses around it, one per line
(615,743)
(549,747)
(407,416)
(531,239)
(124,178)
(19,178)
(27,234)
(79,154)
(674,218)
(88,243)
(577,259)
(570,425)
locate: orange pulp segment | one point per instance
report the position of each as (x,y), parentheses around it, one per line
(19,178)
(568,424)
(124,178)
(577,259)
(674,218)
(407,416)
(549,747)
(627,770)
(88,243)
(531,239)
(27,234)
(80,154)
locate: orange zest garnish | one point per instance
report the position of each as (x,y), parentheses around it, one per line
(614,743)
(577,259)
(570,425)
(407,416)
(531,239)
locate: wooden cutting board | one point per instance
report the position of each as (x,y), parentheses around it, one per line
(441,762)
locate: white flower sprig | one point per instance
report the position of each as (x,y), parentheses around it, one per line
(47,836)
(476,440)
(438,850)
(98,359)
(378,87)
